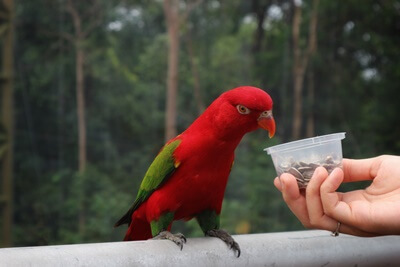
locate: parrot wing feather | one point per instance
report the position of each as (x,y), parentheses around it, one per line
(158,173)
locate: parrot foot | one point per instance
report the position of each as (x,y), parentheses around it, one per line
(227,238)
(178,238)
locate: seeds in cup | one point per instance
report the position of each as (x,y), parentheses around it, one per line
(303,171)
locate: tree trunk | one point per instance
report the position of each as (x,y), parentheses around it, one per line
(80,99)
(78,40)
(297,74)
(8,122)
(260,10)
(310,130)
(195,72)
(300,62)
(172,18)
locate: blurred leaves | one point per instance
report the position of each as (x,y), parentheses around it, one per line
(356,70)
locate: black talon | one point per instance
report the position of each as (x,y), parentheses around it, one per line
(237,249)
(179,239)
(227,238)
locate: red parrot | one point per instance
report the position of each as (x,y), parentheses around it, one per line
(188,177)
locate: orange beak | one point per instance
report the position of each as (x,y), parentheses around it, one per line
(267,122)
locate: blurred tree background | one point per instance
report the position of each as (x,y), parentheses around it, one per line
(94,87)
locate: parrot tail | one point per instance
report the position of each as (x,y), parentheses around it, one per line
(124,219)
(127,218)
(138,230)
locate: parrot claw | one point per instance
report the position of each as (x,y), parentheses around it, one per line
(179,239)
(227,238)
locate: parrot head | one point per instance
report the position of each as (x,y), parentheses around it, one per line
(241,110)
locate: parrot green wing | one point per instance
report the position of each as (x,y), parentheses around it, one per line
(158,173)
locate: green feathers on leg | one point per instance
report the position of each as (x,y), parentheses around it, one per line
(209,223)
(159,230)
(208,220)
(162,223)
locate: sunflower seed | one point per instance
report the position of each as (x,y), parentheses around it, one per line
(296,173)
(303,171)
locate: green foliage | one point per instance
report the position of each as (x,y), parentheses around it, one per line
(356,73)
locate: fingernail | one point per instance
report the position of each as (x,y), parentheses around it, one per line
(320,171)
(317,171)
(336,171)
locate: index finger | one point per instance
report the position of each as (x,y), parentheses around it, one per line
(360,169)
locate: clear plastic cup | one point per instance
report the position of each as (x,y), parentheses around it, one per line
(301,158)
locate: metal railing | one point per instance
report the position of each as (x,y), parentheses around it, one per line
(301,248)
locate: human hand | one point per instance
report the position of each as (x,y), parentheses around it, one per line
(369,212)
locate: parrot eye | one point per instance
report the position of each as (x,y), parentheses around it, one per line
(267,114)
(242,109)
